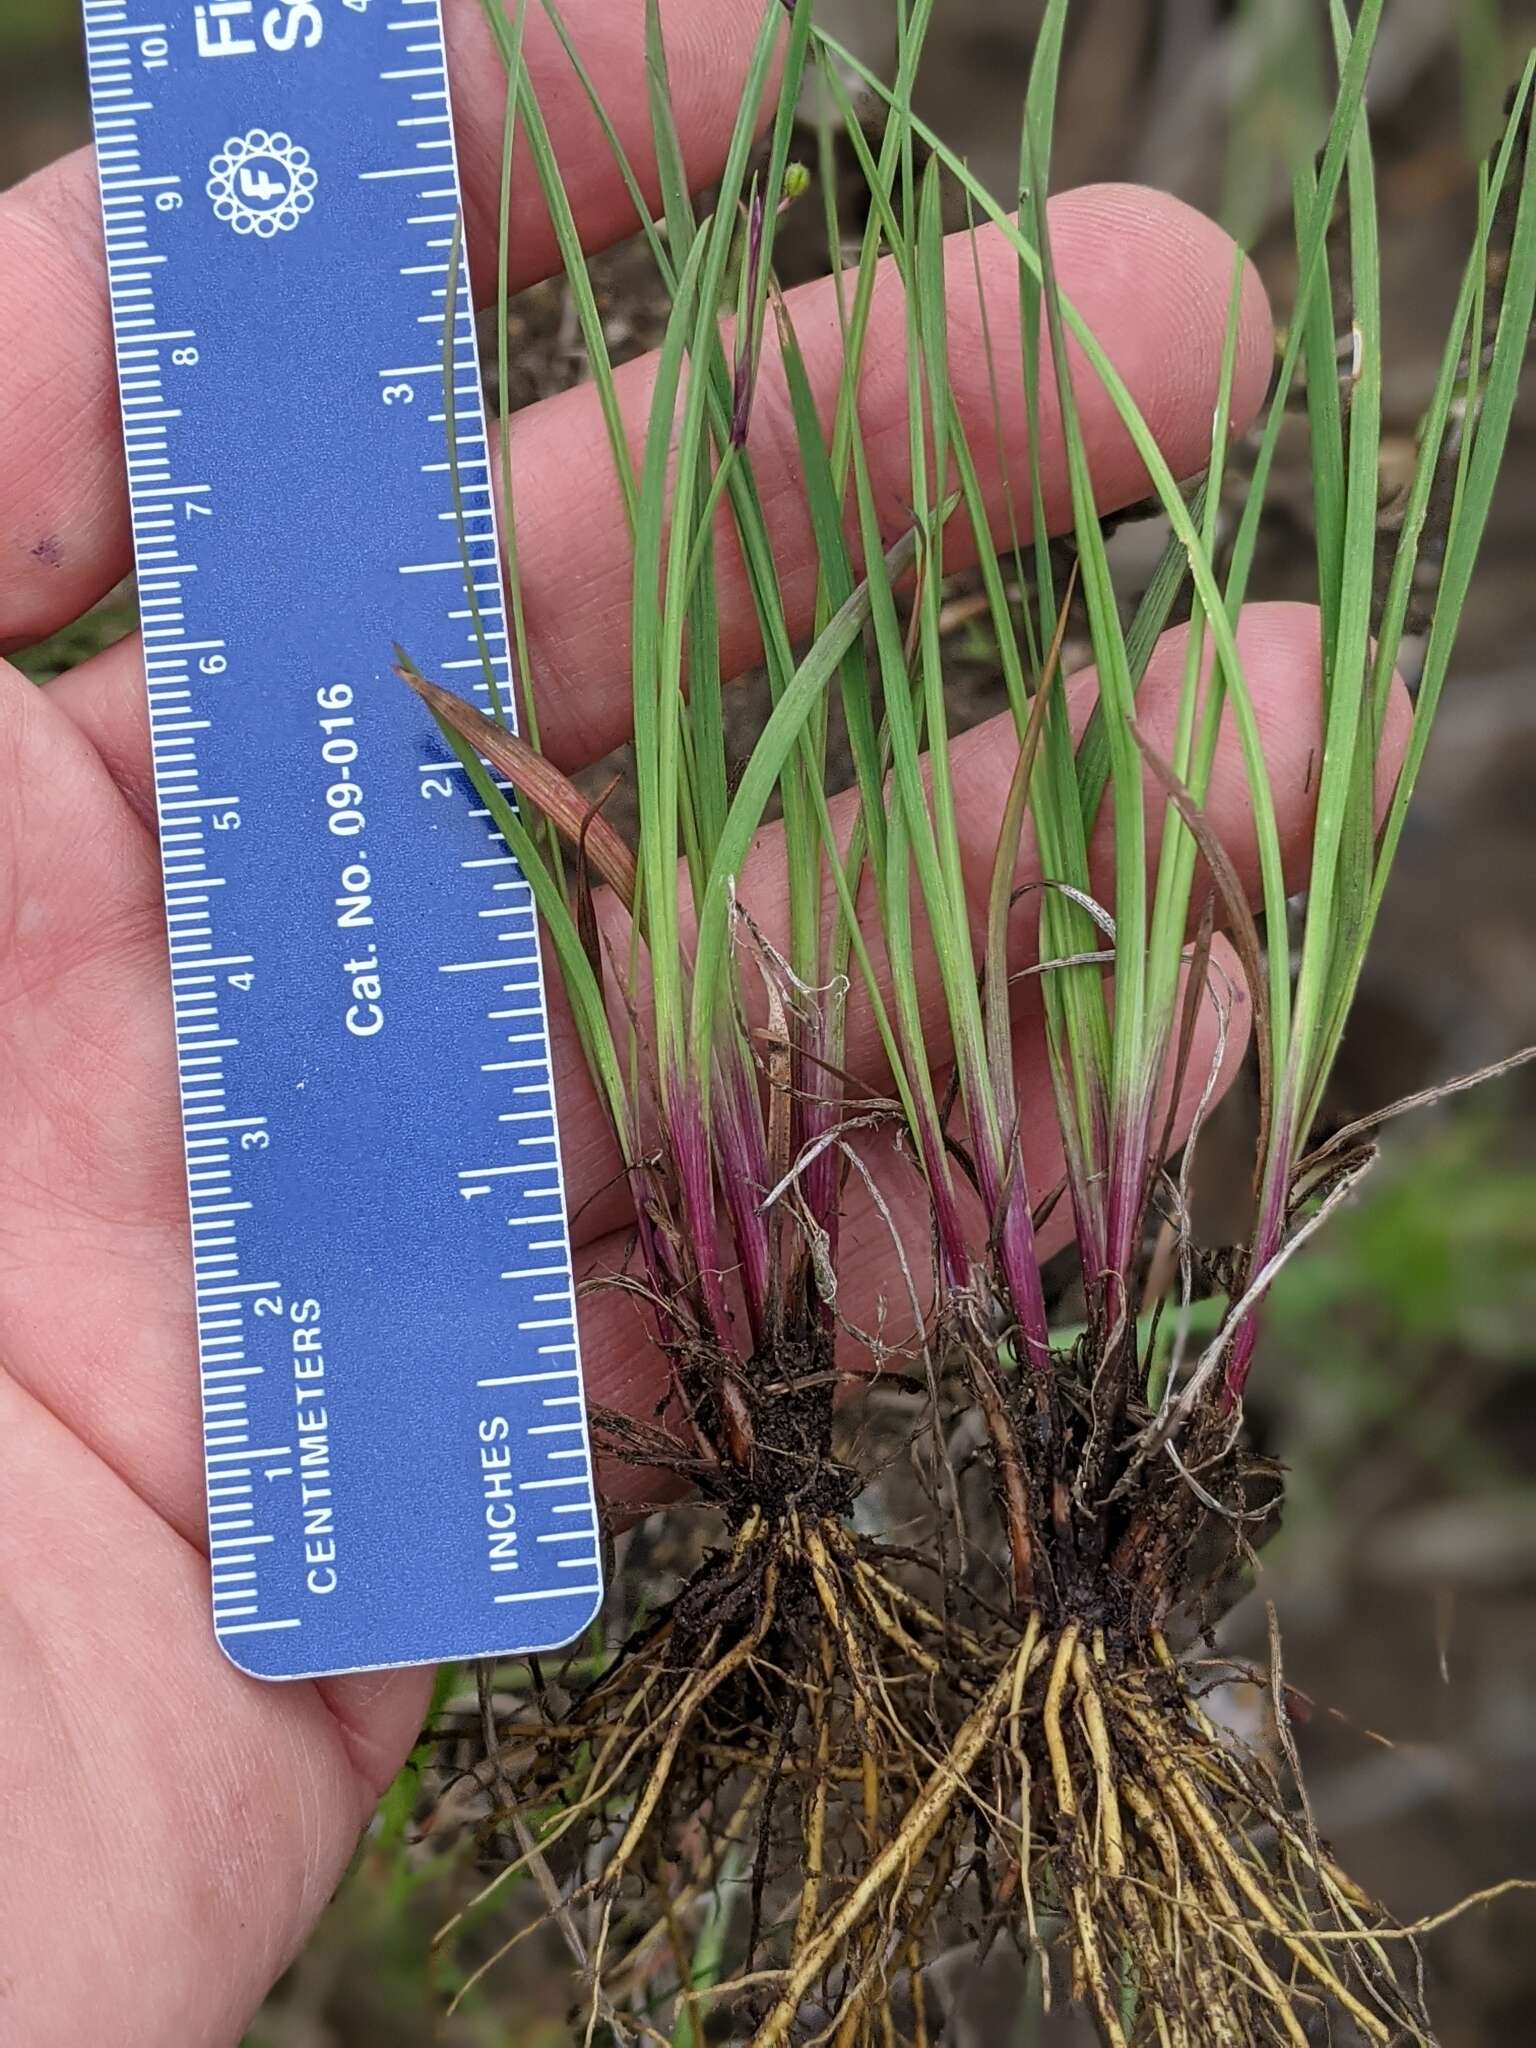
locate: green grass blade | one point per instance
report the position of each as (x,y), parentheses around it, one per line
(758,781)
(677,206)
(1484,452)
(1346,546)
(656,690)
(568,240)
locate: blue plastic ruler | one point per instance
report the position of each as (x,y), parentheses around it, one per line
(396,1444)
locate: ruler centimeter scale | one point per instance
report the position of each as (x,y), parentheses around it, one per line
(395,1438)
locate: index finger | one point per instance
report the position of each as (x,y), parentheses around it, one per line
(64,537)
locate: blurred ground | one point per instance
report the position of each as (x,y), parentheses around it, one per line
(1399,1378)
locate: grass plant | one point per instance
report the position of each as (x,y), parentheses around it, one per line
(771,1802)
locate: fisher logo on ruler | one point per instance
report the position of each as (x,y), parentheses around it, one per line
(396,1444)
(261,183)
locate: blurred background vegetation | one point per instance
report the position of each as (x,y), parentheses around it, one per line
(1400,1377)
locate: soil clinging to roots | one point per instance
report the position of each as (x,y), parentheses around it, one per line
(872,1757)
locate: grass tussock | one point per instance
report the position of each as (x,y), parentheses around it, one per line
(854,1737)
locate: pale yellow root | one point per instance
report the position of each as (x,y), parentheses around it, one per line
(1184,1801)
(895,1861)
(680,1717)
(816,1799)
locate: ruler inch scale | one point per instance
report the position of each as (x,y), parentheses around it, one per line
(395,1435)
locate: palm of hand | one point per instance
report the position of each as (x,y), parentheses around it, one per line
(131,1735)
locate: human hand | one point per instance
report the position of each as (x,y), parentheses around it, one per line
(171,1829)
